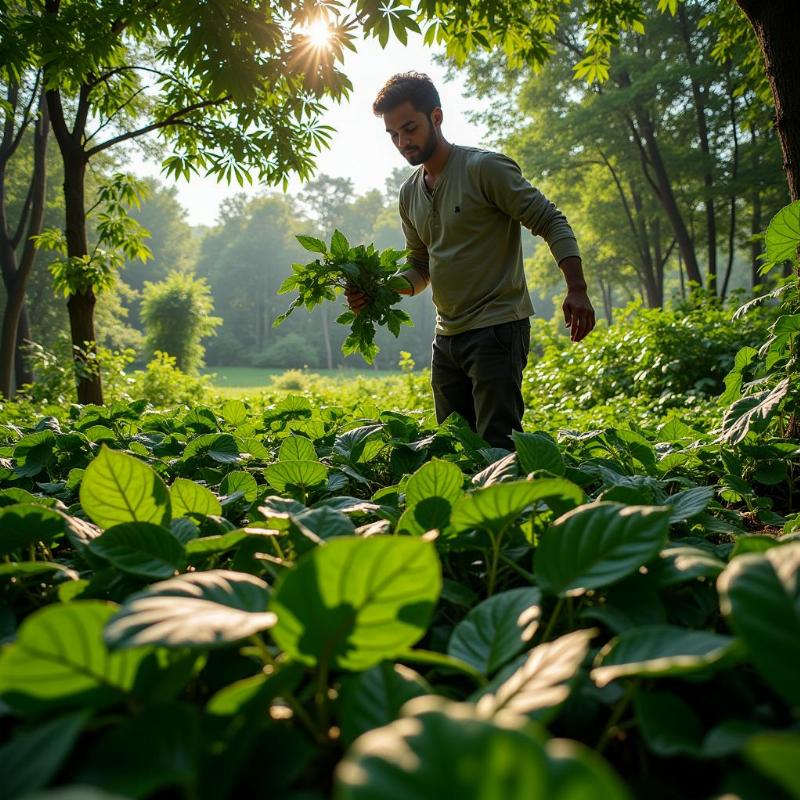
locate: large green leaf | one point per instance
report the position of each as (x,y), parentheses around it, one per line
(739,418)
(59,660)
(668,724)
(597,544)
(760,597)
(437,478)
(494,507)
(300,474)
(200,609)
(141,549)
(188,497)
(219,447)
(655,651)
(783,235)
(537,451)
(34,756)
(441,749)
(24,524)
(776,755)
(234,412)
(373,698)
(682,563)
(240,481)
(497,629)
(542,680)
(32,453)
(297,448)
(690,502)
(118,488)
(356,602)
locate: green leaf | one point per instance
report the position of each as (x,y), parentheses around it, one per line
(537,451)
(340,247)
(234,412)
(683,563)
(33,453)
(783,235)
(356,602)
(669,726)
(33,757)
(741,415)
(655,651)
(598,544)
(542,680)
(312,244)
(301,474)
(240,481)
(219,447)
(760,598)
(297,448)
(494,507)
(497,629)
(374,698)
(442,749)
(197,610)
(24,524)
(776,755)
(59,660)
(120,488)
(689,503)
(188,497)
(141,549)
(437,478)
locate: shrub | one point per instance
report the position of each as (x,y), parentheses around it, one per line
(163,384)
(176,313)
(290,350)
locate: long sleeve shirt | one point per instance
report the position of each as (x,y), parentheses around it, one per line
(465,237)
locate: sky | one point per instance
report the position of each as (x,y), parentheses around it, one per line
(360,149)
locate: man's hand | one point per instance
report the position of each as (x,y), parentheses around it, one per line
(356,299)
(578,314)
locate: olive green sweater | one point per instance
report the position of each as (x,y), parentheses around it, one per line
(465,238)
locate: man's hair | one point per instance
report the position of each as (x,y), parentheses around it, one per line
(415,87)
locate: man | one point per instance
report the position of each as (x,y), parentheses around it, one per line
(461,213)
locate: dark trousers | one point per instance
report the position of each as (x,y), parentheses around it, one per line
(478,373)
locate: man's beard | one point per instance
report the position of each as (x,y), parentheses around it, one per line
(420,156)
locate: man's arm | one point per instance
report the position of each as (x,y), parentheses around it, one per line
(577,308)
(503,185)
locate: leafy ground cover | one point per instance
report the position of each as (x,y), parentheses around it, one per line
(302,600)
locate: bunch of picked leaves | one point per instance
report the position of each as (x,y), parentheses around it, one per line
(373,272)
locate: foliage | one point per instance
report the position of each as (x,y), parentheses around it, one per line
(650,359)
(287,351)
(177,315)
(162,383)
(362,267)
(271,568)
(119,236)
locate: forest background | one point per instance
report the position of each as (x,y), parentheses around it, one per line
(668,171)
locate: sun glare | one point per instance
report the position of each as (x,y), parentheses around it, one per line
(319,33)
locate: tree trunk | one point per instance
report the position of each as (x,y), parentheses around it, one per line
(776,23)
(22,372)
(705,149)
(80,305)
(16,274)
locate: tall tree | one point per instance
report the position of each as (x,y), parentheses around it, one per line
(24,109)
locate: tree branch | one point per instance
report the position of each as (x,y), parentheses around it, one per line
(170,120)
(114,114)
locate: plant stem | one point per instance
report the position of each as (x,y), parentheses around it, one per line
(523,573)
(493,566)
(551,623)
(616,715)
(293,702)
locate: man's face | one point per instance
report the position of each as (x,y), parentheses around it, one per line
(412,132)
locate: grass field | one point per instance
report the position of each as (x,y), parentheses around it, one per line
(233,381)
